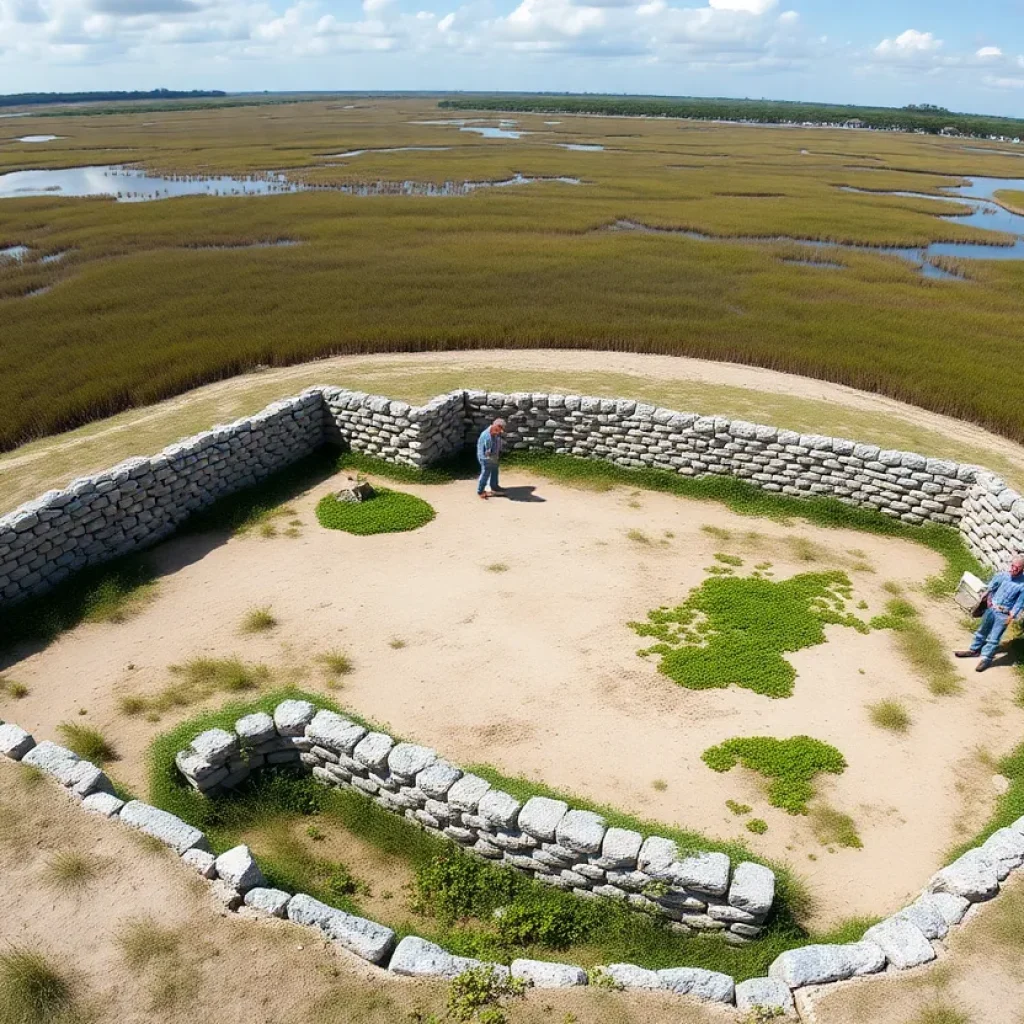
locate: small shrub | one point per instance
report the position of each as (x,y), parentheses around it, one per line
(639,537)
(143,941)
(660,785)
(738,808)
(790,764)
(733,560)
(69,870)
(386,512)
(891,715)
(32,991)
(717,532)
(758,826)
(599,978)
(497,567)
(87,742)
(396,643)
(481,994)
(258,620)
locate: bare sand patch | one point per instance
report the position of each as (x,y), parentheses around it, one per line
(535,670)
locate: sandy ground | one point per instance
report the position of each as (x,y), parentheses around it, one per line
(535,670)
(752,393)
(203,963)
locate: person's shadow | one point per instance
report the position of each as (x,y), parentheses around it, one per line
(1011,653)
(519,494)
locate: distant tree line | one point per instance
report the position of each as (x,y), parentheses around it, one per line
(919,117)
(26,99)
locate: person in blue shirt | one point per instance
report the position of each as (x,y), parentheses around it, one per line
(488,452)
(1005,602)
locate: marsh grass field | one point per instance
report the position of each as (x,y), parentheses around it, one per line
(152,298)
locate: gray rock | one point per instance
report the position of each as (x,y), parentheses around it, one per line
(542,974)
(195,767)
(764,993)
(84,779)
(951,907)
(620,849)
(581,831)
(1018,825)
(372,751)
(407,760)
(367,939)
(540,817)
(51,758)
(465,795)
(292,716)
(334,731)
(105,804)
(902,942)
(705,872)
(822,964)
(657,855)
(927,917)
(972,876)
(631,976)
(435,780)
(215,746)
(417,958)
(255,728)
(498,808)
(271,902)
(752,888)
(225,895)
(239,869)
(708,986)
(171,831)
(1005,848)
(15,742)
(202,862)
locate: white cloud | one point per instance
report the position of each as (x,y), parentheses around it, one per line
(908,44)
(750,6)
(989,51)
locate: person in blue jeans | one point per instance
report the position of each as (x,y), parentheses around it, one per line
(488,454)
(1005,602)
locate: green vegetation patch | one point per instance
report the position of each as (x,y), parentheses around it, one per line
(386,512)
(32,990)
(87,742)
(733,631)
(791,765)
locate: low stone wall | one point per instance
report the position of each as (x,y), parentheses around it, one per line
(143,500)
(907,939)
(568,849)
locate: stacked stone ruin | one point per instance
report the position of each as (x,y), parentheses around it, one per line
(909,938)
(144,500)
(569,849)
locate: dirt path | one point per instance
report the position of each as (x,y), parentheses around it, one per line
(498,633)
(786,400)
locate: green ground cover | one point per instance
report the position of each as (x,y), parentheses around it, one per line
(790,764)
(144,305)
(734,631)
(386,512)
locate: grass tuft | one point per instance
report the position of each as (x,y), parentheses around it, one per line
(197,680)
(87,742)
(12,688)
(70,870)
(258,620)
(336,663)
(833,828)
(497,567)
(32,990)
(891,715)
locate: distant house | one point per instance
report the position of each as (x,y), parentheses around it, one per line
(950,130)
(854,122)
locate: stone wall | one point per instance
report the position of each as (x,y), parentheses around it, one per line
(910,938)
(569,849)
(143,500)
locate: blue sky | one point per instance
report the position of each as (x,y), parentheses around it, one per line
(872,51)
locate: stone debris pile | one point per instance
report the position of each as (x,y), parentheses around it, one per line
(569,849)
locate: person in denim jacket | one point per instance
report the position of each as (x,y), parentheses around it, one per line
(1005,603)
(488,453)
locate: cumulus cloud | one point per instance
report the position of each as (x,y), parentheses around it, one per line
(138,8)
(909,44)
(989,51)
